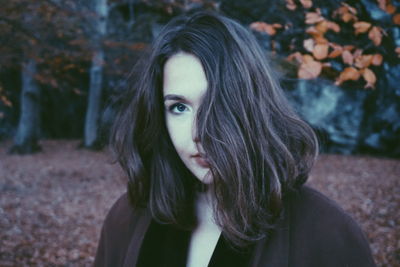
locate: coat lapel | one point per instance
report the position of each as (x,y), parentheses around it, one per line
(275,249)
(271,251)
(143,223)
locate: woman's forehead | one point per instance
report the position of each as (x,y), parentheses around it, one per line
(184,75)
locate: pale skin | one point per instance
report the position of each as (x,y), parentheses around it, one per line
(184,86)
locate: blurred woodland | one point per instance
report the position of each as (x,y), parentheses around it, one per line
(62,61)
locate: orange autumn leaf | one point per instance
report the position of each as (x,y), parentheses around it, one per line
(347,57)
(313,31)
(307,58)
(77,91)
(386,6)
(357,53)
(375,34)
(309,44)
(333,26)
(396,19)
(320,51)
(351,9)
(369,77)
(263,27)
(290,5)
(313,17)
(397,50)
(319,39)
(5,101)
(326,65)
(349,73)
(297,56)
(349,47)
(363,61)
(310,68)
(361,26)
(345,9)
(322,27)
(390,9)
(306,3)
(340,11)
(382,4)
(377,59)
(349,17)
(337,50)
(277,26)
(347,13)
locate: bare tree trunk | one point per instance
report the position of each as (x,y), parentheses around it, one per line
(26,138)
(91,136)
(132,18)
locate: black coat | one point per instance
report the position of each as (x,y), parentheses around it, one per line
(315,231)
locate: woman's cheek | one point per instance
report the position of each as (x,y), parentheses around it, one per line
(179,130)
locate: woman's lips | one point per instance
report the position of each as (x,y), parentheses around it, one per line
(201,161)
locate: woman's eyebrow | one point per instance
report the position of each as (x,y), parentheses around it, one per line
(174,97)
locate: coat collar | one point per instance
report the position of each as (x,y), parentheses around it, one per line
(271,251)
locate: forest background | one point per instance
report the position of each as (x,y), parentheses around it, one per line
(62,62)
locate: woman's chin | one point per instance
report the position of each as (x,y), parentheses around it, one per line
(204,177)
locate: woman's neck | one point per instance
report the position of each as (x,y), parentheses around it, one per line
(204,208)
(205,236)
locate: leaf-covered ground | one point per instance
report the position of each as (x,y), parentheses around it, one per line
(52,204)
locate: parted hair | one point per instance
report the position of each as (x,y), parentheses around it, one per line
(259,150)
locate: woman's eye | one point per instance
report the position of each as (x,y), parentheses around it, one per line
(178,108)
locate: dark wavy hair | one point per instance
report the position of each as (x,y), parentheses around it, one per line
(258,148)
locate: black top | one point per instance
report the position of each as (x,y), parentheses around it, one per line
(166,246)
(314,232)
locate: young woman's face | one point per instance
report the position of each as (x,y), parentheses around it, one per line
(184,86)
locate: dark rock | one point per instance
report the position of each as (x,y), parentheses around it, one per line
(381,128)
(334,112)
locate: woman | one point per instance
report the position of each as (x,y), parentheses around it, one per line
(216,162)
